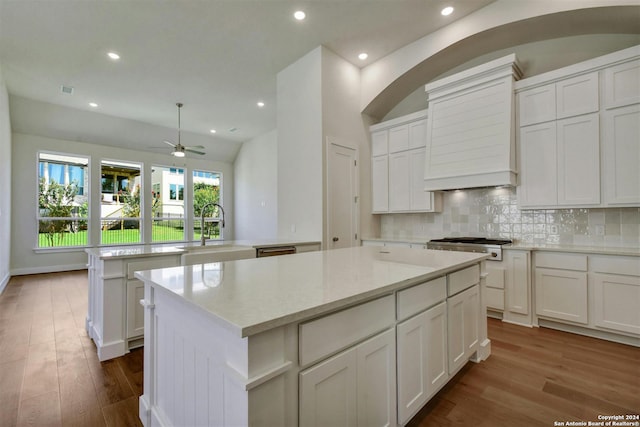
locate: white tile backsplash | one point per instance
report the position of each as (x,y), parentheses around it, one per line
(493,212)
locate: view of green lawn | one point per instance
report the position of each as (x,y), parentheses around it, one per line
(161,233)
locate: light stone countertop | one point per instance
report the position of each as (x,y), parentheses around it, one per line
(591,249)
(133,251)
(255,295)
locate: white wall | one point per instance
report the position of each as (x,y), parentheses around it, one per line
(255,174)
(24,260)
(5,185)
(300,149)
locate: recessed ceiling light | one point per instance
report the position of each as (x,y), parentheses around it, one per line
(260,104)
(447,11)
(363,56)
(299,15)
(113,56)
(212,131)
(93,104)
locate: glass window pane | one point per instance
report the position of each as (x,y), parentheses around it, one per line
(206,190)
(62,200)
(168,204)
(121,202)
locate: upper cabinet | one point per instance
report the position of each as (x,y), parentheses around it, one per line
(397,166)
(579,134)
(470,129)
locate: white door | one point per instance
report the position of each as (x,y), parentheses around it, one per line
(342,200)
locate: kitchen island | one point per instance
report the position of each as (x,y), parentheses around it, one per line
(356,336)
(115,319)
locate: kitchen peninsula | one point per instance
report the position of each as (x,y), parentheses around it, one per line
(355,336)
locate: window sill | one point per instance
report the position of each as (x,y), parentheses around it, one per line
(60,249)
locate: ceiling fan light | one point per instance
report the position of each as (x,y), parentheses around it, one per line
(178,153)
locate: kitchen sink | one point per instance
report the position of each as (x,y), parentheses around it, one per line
(216,253)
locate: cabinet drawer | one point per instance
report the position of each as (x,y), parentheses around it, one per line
(626,265)
(561,261)
(324,336)
(417,298)
(463,279)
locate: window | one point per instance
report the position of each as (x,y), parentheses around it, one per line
(206,190)
(63,200)
(121,200)
(168,204)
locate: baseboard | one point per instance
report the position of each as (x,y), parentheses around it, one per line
(4,282)
(48,269)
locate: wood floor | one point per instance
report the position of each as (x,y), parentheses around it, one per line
(50,374)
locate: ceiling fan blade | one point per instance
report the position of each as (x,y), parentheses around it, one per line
(193,151)
(198,147)
(170,143)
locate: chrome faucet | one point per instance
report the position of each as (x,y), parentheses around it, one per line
(202,212)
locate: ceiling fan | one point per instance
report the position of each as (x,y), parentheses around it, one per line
(179,149)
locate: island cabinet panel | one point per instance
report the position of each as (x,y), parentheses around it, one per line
(354,388)
(422,359)
(462,313)
(135,311)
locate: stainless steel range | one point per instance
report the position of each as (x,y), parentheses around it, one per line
(471,244)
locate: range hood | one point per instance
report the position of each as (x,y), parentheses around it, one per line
(471,128)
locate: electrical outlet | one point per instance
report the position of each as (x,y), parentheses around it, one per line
(553,229)
(599,230)
(293,228)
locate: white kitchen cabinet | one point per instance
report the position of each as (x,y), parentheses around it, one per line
(399,182)
(397,168)
(494,285)
(380,184)
(538,165)
(621,151)
(507,290)
(617,302)
(422,359)
(597,138)
(135,311)
(462,315)
(578,157)
(622,84)
(354,388)
(561,286)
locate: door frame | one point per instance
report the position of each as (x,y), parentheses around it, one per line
(341,142)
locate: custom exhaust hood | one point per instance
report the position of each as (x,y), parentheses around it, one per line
(471,128)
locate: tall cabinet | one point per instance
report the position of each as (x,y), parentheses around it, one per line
(397,166)
(579,137)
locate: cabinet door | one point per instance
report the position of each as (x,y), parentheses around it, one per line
(135,312)
(622,84)
(562,294)
(517,286)
(422,359)
(399,138)
(538,165)
(379,143)
(399,194)
(376,380)
(380,184)
(579,160)
(418,135)
(616,301)
(537,105)
(621,150)
(462,322)
(577,95)
(420,200)
(328,392)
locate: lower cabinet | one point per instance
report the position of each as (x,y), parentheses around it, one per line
(422,359)
(462,314)
(329,390)
(135,311)
(617,302)
(561,286)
